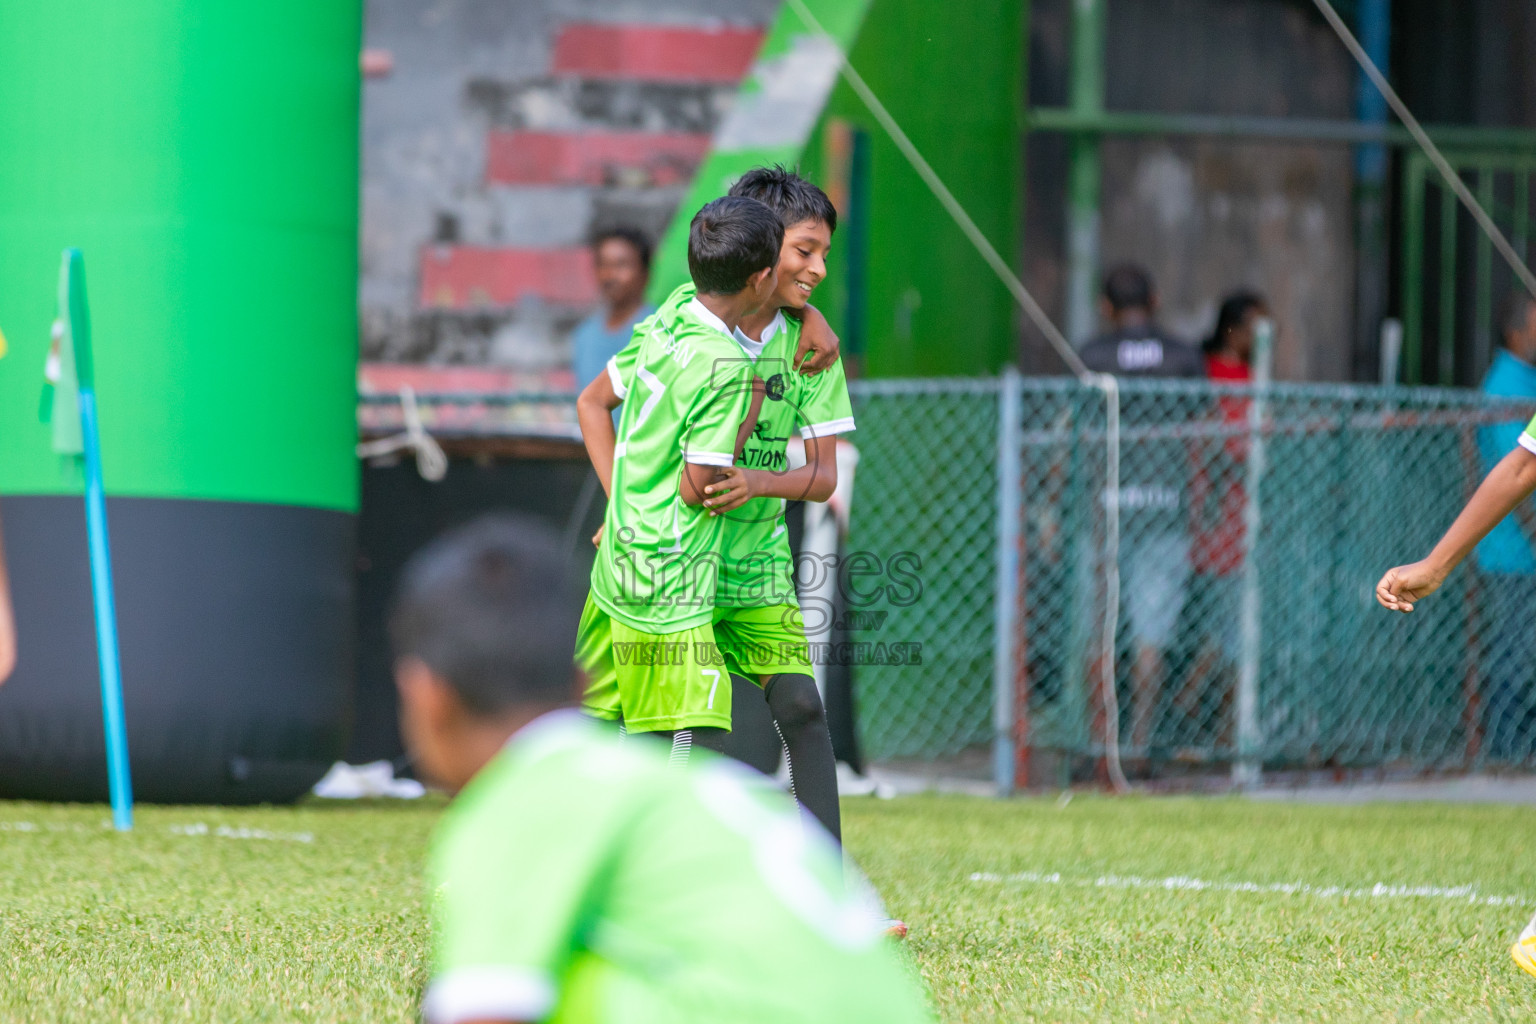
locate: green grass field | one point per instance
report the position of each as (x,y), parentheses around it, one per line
(1130,909)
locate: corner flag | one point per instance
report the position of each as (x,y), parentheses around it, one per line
(69,401)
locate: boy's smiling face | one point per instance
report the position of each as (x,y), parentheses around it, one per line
(802,262)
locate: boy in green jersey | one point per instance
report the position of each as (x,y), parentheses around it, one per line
(578,878)
(758,624)
(1511,483)
(757,621)
(645,636)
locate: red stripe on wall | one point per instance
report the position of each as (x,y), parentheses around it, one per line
(635,159)
(653,52)
(389,378)
(469,277)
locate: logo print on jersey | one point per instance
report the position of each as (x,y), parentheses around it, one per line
(760,434)
(774,389)
(1141,354)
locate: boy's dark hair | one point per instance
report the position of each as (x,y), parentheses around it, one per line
(1127,286)
(636,240)
(790,196)
(729,240)
(491,608)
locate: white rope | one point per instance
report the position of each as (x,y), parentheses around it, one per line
(1107,676)
(1452,179)
(431,463)
(1063,348)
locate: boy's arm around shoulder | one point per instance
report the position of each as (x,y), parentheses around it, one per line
(819,346)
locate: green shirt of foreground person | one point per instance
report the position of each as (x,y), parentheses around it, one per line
(578,876)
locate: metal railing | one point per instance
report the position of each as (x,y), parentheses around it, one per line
(1008,642)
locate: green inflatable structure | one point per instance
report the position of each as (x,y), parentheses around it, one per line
(204,158)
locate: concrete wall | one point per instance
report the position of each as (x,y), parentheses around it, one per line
(506,132)
(1209,216)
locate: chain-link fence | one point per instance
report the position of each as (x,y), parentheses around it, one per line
(1288,502)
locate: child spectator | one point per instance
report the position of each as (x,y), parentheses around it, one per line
(1217,499)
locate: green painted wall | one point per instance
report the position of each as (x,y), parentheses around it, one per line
(774,116)
(204,157)
(952,75)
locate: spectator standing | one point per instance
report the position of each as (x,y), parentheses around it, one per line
(1154,545)
(621,259)
(1505,560)
(1217,499)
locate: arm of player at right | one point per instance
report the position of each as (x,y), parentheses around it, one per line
(1512,481)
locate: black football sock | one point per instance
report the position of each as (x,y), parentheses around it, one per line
(802,724)
(752,740)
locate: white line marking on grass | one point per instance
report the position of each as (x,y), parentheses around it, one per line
(1184,883)
(226,832)
(52,826)
(194,829)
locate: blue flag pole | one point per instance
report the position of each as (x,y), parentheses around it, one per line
(118,779)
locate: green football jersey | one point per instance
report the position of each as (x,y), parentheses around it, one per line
(1528,436)
(686,386)
(578,877)
(757,567)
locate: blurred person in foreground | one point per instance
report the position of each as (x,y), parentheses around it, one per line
(621,261)
(1507,488)
(1154,547)
(579,877)
(1217,500)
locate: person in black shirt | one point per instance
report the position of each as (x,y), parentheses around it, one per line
(1135,346)
(1154,545)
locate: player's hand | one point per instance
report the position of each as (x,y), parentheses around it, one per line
(597,538)
(819,346)
(1401,587)
(732,488)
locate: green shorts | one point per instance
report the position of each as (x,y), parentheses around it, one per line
(758,642)
(653,681)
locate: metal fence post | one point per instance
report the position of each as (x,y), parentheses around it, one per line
(1246,769)
(1005,600)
